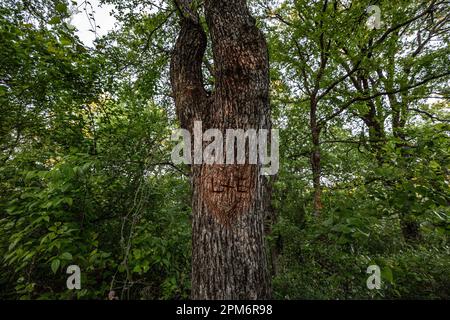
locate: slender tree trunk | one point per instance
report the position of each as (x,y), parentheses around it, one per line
(229,202)
(409,225)
(316,165)
(376,132)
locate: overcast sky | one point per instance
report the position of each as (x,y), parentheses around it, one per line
(102,18)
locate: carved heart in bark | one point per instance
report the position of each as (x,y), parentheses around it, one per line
(228,190)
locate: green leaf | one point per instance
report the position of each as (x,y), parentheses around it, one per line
(137,269)
(61,8)
(65,41)
(54,20)
(387,274)
(55,265)
(434,165)
(66,256)
(69,201)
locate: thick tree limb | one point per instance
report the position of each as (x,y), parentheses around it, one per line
(186,69)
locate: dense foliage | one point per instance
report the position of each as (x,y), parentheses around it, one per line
(86,176)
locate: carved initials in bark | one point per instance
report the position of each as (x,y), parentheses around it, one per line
(228,191)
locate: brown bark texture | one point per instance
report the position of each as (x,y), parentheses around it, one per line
(229,202)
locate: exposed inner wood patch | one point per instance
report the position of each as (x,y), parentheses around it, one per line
(228,190)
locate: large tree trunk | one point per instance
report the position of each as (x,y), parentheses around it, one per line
(228,251)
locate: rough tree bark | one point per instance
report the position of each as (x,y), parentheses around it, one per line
(229,202)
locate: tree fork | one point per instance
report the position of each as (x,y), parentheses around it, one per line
(228,252)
